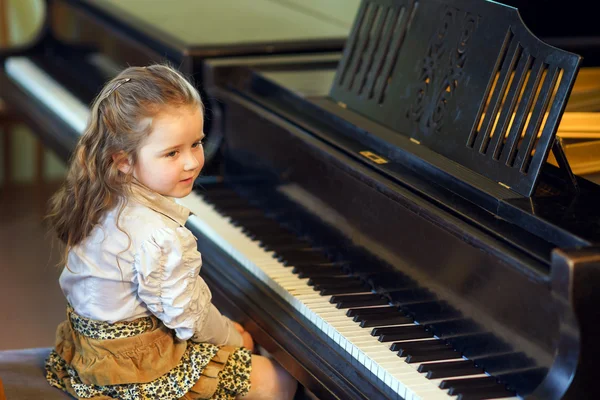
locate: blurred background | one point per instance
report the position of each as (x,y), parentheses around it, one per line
(31,301)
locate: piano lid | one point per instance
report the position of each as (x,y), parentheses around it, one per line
(229,27)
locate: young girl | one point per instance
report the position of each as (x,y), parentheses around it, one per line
(140,323)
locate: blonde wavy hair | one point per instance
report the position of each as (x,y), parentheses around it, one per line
(120,121)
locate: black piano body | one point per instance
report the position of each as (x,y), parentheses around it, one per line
(410,164)
(501,274)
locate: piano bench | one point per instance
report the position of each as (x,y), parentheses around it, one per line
(23,377)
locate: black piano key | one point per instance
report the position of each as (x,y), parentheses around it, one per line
(485,393)
(431,355)
(275,242)
(257,229)
(391,313)
(346,289)
(310,271)
(370,322)
(306,252)
(415,344)
(404,352)
(357,300)
(325,280)
(394,337)
(260,232)
(319,266)
(325,283)
(273,239)
(468,382)
(428,367)
(270,236)
(396,329)
(302,257)
(246,214)
(359,312)
(450,372)
(448,369)
(453,391)
(397,333)
(354,297)
(348,304)
(340,284)
(292,245)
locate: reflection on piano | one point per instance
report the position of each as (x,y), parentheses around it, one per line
(385,223)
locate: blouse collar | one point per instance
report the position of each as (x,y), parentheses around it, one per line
(162,204)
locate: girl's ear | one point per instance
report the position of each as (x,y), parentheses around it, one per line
(122,161)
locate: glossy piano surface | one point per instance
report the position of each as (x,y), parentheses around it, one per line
(228,27)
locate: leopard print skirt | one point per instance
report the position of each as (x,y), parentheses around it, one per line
(204,371)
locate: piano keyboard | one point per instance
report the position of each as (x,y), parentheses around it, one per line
(440,365)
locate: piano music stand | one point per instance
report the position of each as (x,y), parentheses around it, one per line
(488,99)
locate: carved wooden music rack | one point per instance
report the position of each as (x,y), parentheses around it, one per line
(465,78)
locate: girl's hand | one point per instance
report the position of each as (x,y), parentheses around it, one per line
(238,327)
(248,341)
(246,337)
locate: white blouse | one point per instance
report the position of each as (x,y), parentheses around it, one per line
(146,263)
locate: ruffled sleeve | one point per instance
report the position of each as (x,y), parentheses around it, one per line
(168,266)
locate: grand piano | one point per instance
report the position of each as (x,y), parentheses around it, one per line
(384,221)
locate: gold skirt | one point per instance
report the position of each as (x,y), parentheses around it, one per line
(142,359)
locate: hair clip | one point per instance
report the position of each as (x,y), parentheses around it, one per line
(117,85)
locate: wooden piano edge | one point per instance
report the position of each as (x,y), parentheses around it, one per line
(308,354)
(48,128)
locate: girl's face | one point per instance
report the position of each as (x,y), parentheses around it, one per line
(172,156)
